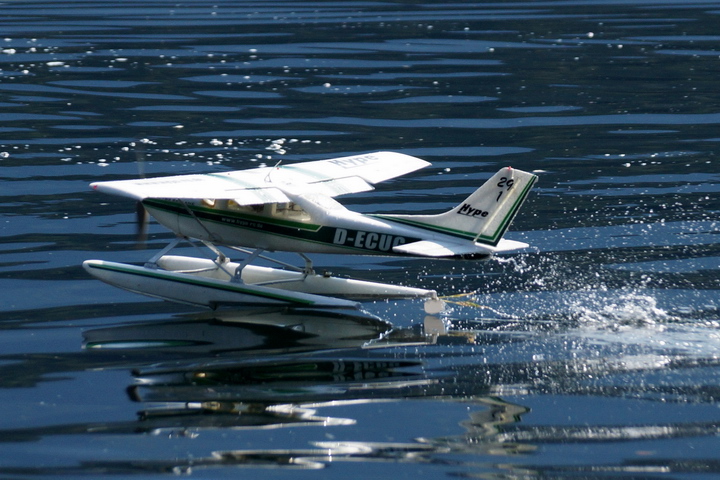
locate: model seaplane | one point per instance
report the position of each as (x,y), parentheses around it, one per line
(292,208)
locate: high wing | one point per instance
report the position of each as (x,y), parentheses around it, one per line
(332,177)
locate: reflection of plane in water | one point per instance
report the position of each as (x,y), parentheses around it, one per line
(233,369)
(293,368)
(287,369)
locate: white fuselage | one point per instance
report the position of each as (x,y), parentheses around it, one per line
(307,225)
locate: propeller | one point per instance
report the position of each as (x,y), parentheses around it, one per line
(141,215)
(141,220)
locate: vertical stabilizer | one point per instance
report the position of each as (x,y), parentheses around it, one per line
(484,216)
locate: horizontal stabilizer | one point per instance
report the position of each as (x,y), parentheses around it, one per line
(440,249)
(427,248)
(505,245)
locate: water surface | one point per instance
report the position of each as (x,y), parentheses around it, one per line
(594,353)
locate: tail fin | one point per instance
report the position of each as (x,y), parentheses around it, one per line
(484,216)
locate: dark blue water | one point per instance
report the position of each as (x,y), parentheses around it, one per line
(593,354)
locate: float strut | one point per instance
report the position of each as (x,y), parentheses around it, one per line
(152,263)
(308,270)
(238,271)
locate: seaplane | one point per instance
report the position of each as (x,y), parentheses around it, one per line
(292,208)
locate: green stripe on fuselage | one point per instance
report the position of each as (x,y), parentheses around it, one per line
(426,226)
(355,241)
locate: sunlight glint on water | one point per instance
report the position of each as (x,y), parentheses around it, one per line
(595,352)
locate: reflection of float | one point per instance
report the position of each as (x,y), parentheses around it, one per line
(225,332)
(275,368)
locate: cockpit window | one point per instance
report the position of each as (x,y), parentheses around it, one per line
(286,210)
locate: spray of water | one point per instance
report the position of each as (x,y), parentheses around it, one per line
(625,311)
(583,299)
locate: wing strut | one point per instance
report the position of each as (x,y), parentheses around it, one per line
(192,214)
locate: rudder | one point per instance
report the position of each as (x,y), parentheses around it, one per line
(484,216)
